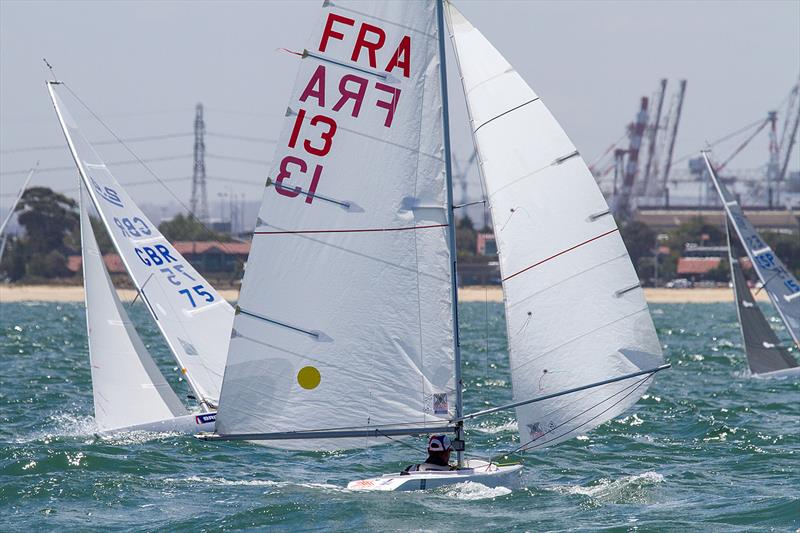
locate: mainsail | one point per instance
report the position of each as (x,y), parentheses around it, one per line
(128,388)
(193,318)
(344,322)
(575,310)
(778,281)
(762,347)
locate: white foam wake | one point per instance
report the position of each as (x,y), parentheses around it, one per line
(471,490)
(626,489)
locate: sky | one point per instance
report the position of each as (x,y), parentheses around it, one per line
(142,67)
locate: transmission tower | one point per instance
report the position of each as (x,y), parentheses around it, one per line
(199,174)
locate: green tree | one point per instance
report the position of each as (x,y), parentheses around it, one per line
(48,218)
(187,228)
(640,241)
(466,237)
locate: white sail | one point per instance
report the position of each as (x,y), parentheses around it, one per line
(344,319)
(575,311)
(3,237)
(193,318)
(779,282)
(128,388)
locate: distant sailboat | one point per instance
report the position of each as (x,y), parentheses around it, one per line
(194,320)
(346,331)
(765,355)
(3,236)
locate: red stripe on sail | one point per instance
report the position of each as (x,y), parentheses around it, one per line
(562,252)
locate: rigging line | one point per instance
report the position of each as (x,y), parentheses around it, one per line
(637,385)
(398,441)
(147,167)
(562,252)
(97,143)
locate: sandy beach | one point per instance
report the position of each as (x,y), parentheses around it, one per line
(74,293)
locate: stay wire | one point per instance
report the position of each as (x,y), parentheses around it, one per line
(146,167)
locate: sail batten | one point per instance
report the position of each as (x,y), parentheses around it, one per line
(575,311)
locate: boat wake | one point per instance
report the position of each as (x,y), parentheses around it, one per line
(511,425)
(220,481)
(628,489)
(471,490)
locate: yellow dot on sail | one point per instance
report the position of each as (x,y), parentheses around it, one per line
(308,377)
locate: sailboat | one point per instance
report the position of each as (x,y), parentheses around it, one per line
(346,330)
(3,236)
(193,319)
(765,355)
(130,392)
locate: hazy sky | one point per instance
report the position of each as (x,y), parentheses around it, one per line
(142,66)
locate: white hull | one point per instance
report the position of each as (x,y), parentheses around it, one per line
(488,474)
(188,424)
(785,373)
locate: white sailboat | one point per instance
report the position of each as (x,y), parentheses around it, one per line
(346,330)
(3,236)
(129,391)
(194,320)
(765,355)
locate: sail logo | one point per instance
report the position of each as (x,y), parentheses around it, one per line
(205,418)
(440,406)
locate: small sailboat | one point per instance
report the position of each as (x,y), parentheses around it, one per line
(130,392)
(193,319)
(4,224)
(765,355)
(346,331)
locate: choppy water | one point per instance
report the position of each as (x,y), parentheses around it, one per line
(706,449)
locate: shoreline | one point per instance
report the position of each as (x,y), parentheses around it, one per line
(74,293)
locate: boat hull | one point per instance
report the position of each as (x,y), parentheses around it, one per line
(187,424)
(488,474)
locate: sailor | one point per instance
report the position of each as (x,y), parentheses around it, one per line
(439,448)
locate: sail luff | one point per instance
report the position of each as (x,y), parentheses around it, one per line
(451,214)
(781,285)
(155,255)
(16,201)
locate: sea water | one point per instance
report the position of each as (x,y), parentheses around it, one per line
(707,448)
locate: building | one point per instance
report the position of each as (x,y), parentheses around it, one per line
(208,257)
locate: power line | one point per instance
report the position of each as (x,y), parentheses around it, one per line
(238,159)
(241,137)
(97,143)
(123,162)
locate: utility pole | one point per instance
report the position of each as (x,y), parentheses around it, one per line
(199,196)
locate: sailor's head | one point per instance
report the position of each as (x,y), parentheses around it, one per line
(440,444)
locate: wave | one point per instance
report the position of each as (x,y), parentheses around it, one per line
(470,490)
(221,481)
(627,489)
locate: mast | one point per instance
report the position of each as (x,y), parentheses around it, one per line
(451,224)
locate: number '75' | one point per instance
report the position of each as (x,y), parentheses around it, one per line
(200,291)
